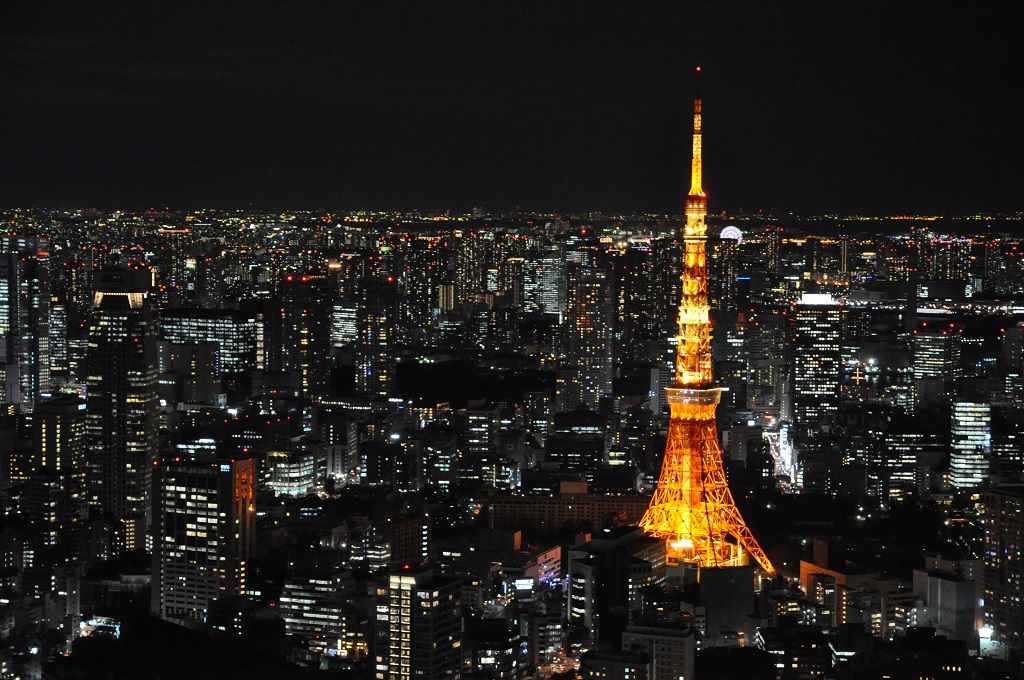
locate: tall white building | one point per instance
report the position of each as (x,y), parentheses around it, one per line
(970,443)
(544,281)
(816,360)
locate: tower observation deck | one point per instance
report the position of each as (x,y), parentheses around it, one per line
(692,508)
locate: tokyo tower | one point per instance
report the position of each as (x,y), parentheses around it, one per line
(692,508)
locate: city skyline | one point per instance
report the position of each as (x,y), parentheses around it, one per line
(455,379)
(868,109)
(464,419)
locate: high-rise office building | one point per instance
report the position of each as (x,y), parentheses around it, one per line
(970,443)
(306,305)
(667,260)
(24,317)
(55,499)
(58,330)
(59,433)
(1012,359)
(189,373)
(723,268)
(175,265)
(771,249)
(606,575)
(1003,566)
(70,311)
(951,258)
(377,314)
(238,335)
(204,529)
(421,268)
(316,603)
(480,458)
(816,360)
(578,443)
(494,649)
(419,627)
(511,275)
(343,324)
(937,351)
(121,398)
(544,281)
(638,305)
(589,338)
(768,344)
(472,250)
(207,276)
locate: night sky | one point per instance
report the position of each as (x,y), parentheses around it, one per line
(558,106)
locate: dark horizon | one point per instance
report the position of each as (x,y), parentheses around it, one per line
(865,109)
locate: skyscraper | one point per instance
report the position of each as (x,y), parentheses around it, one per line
(419,627)
(724,265)
(937,351)
(639,306)
(175,257)
(24,318)
(121,399)
(59,434)
(306,305)
(472,253)
(951,258)
(377,308)
(55,491)
(589,334)
(237,334)
(970,443)
(816,360)
(479,451)
(544,281)
(1003,576)
(204,522)
(70,311)
(315,604)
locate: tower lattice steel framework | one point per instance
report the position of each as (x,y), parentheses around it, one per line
(692,508)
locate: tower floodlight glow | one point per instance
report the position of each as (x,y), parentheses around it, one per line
(692,508)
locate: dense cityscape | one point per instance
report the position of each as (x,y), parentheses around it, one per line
(511,341)
(267,436)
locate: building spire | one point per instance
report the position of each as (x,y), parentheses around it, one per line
(696,163)
(696,201)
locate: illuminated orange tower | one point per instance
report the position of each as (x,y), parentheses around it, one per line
(692,508)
